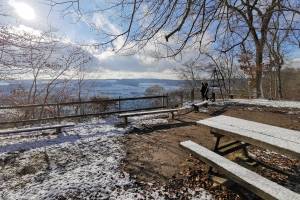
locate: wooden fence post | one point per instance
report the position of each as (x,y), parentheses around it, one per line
(167,100)
(181,98)
(63,113)
(58,112)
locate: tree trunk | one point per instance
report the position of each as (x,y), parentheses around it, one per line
(279,82)
(259,66)
(193,94)
(259,92)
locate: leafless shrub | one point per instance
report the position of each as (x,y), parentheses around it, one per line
(101,105)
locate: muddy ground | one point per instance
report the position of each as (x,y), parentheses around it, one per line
(154,155)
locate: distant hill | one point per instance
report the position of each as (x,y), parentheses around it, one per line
(97,87)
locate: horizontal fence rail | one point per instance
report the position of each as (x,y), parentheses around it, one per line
(82,102)
(35,113)
(76,116)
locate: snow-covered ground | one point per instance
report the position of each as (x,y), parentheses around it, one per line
(252,102)
(265,102)
(83,163)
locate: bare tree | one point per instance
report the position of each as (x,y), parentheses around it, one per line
(69,61)
(191,72)
(277,44)
(229,23)
(41,56)
(224,64)
(247,65)
(38,56)
(80,82)
(12,45)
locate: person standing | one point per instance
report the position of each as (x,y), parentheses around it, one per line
(202,90)
(206,91)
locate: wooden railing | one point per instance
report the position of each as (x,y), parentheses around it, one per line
(27,113)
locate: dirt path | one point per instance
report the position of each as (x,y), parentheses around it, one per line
(154,155)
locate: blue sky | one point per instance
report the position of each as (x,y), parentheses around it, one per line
(107,64)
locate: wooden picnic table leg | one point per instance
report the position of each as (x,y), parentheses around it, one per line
(217,143)
(246,154)
(218,137)
(232,146)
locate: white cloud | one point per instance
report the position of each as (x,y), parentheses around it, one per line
(106,28)
(294,63)
(22,9)
(107,63)
(25,29)
(111,74)
(101,22)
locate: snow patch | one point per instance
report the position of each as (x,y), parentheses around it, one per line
(82,164)
(264,102)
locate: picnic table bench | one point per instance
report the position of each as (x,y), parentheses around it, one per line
(245,133)
(58,128)
(133,114)
(254,182)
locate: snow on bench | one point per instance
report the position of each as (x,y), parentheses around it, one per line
(31,129)
(201,103)
(196,106)
(281,140)
(132,114)
(259,185)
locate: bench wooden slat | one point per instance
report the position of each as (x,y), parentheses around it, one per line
(266,136)
(201,103)
(247,178)
(31,129)
(147,112)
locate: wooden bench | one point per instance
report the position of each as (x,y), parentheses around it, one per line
(257,184)
(31,129)
(133,114)
(196,106)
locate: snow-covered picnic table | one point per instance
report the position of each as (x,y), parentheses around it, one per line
(244,133)
(281,140)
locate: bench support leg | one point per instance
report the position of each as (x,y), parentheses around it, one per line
(172,115)
(126,121)
(196,108)
(58,130)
